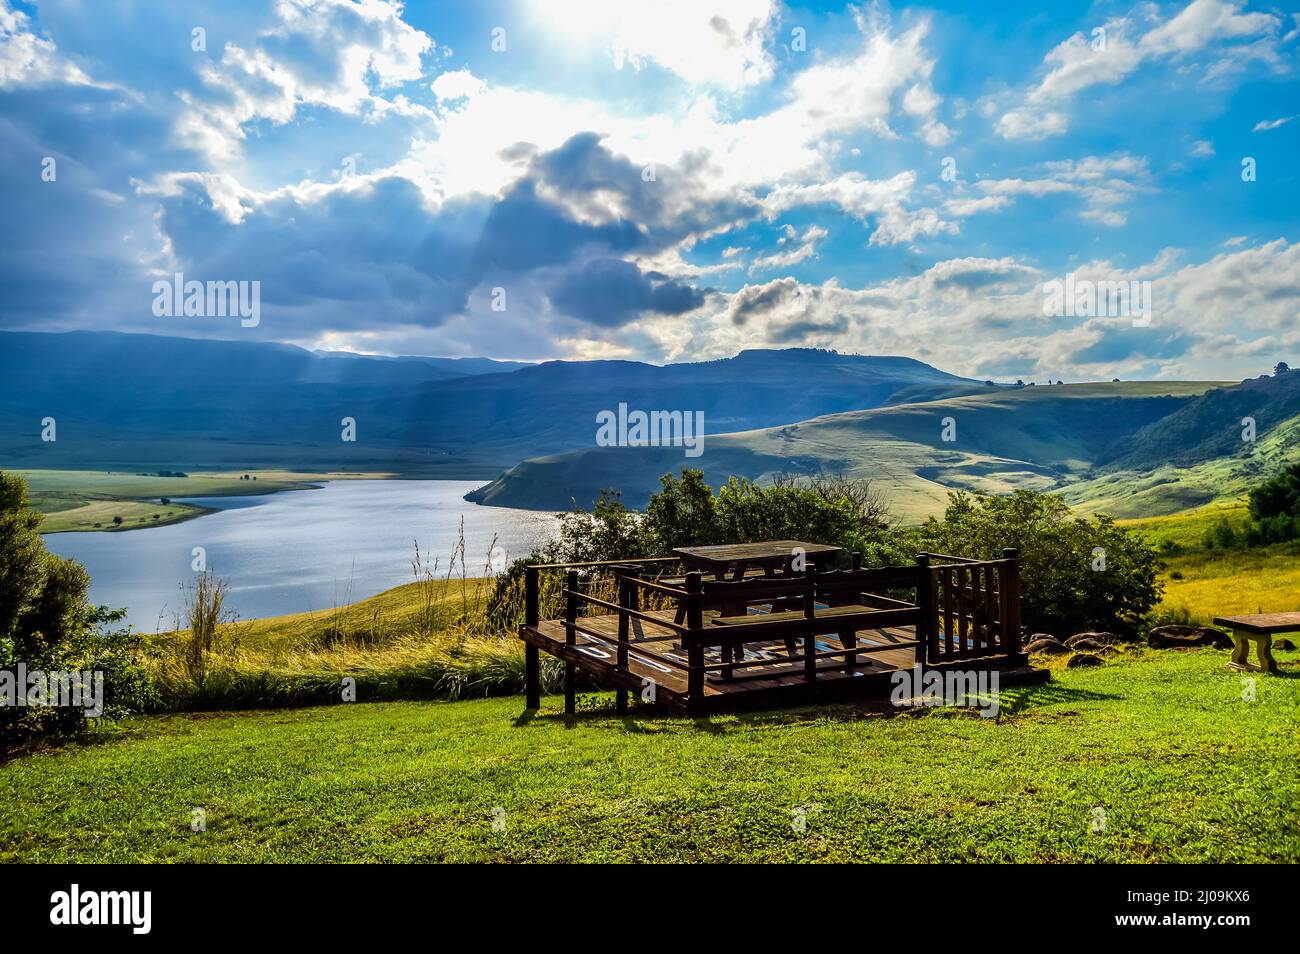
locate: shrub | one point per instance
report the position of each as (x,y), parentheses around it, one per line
(1275,509)
(685,512)
(48,624)
(1061,592)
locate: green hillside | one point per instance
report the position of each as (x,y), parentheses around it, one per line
(1170,488)
(1036,437)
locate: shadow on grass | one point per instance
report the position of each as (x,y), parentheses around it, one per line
(598,709)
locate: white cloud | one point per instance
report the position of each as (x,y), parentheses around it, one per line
(329,53)
(30,60)
(456,84)
(1030,124)
(1266,124)
(983,317)
(1203,22)
(1104,183)
(1112,55)
(806,249)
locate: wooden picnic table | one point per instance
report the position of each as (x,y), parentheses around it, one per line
(1260,628)
(733,560)
(774,557)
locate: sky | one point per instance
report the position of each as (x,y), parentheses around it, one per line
(667,181)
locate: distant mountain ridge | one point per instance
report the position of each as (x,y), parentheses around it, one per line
(144,401)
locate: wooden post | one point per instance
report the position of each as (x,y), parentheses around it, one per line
(857,560)
(809,613)
(924,600)
(570,639)
(531,614)
(626,600)
(1011,599)
(532,659)
(532,677)
(695,623)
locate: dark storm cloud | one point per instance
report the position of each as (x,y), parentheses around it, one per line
(753,300)
(611,292)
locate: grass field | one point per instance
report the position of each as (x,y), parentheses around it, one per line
(1184,769)
(1207,583)
(425,639)
(89,500)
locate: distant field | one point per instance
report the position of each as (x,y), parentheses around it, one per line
(80,499)
(1161,741)
(1208,583)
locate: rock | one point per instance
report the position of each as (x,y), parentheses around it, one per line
(1083,659)
(1085,645)
(1280,643)
(1048,645)
(1187,637)
(1101,639)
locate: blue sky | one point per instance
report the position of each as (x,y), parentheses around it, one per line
(664,181)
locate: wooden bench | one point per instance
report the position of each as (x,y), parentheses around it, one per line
(823,613)
(1259,628)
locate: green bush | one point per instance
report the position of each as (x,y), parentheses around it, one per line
(686,512)
(1076,574)
(1275,509)
(48,624)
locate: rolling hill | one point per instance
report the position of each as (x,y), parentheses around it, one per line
(1037,437)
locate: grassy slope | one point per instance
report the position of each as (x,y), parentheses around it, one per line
(1211,583)
(78,499)
(1185,769)
(1169,489)
(1031,437)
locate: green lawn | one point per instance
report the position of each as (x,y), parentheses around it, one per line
(1184,768)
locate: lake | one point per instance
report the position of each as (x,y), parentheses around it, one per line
(300,550)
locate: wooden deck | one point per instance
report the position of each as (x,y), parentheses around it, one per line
(693,645)
(775,681)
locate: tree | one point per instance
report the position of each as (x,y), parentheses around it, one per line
(1275,508)
(1281,368)
(47,624)
(1076,574)
(117,521)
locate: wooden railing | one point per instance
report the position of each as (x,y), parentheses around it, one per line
(962,609)
(976,608)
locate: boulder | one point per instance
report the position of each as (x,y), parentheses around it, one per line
(1079,660)
(1085,645)
(1187,637)
(1101,639)
(1048,645)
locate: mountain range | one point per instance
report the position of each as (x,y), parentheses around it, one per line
(143,402)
